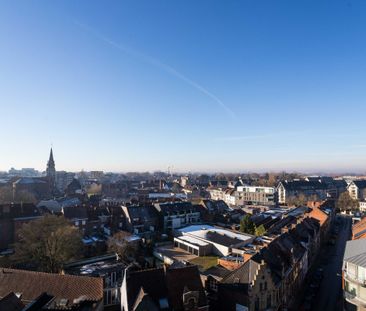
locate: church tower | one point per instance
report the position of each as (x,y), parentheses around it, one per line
(51,171)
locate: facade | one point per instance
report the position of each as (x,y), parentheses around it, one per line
(174,215)
(255,195)
(357,190)
(354,276)
(141,219)
(63,179)
(216,193)
(292,189)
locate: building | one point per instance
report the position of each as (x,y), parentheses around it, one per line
(324,216)
(141,219)
(63,291)
(51,172)
(106,267)
(203,240)
(357,190)
(176,288)
(255,195)
(30,187)
(292,189)
(362,206)
(174,215)
(354,276)
(63,179)
(12,217)
(359,230)
(269,280)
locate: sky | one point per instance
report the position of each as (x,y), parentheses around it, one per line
(200,86)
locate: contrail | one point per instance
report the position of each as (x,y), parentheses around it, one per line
(155,62)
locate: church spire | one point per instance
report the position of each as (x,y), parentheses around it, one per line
(51,171)
(51,161)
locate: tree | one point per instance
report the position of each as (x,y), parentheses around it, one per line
(127,251)
(259,231)
(298,200)
(247,225)
(346,203)
(8,196)
(48,243)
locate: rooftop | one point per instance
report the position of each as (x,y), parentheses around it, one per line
(32,284)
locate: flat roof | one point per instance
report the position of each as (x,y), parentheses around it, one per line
(192,240)
(215,235)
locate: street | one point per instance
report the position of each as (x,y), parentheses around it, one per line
(329,296)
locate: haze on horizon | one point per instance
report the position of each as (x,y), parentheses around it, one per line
(204,86)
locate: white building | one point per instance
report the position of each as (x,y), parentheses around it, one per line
(255,195)
(202,240)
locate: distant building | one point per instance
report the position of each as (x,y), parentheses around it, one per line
(24,172)
(51,172)
(174,215)
(63,179)
(255,195)
(142,220)
(292,189)
(98,175)
(357,190)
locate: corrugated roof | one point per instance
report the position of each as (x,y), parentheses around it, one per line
(356,252)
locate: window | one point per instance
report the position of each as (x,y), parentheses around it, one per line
(256,304)
(269,301)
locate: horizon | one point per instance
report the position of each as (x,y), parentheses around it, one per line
(208,86)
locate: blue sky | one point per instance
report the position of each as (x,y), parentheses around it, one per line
(195,85)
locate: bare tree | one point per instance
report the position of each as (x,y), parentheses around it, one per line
(346,203)
(48,243)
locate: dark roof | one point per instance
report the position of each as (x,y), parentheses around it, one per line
(164,284)
(72,212)
(361,184)
(144,302)
(142,213)
(243,275)
(217,271)
(212,205)
(303,185)
(152,281)
(11,303)
(32,284)
(74,185)
(30,180)
(173,207)
(222,239)
(177,279)
(19,210)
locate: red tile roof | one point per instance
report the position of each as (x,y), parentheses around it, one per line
(32,284)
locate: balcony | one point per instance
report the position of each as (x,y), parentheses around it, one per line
(354,280)
(354,299)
